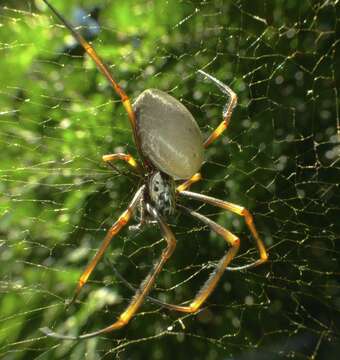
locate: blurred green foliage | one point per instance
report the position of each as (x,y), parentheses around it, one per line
(280,158)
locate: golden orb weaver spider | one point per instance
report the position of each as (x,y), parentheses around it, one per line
(170,146)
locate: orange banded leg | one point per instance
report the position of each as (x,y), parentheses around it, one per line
(103,68)
(227,111)
(125,157)
(141,293)
(114,230)
(184,186)
(242,211)
(231,239)
(216,275)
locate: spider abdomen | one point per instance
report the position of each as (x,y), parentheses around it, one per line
(169,135)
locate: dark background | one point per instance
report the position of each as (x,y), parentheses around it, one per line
(279,158)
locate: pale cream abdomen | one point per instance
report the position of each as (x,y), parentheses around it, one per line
(169,135)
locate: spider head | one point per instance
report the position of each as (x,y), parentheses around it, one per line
(161,189)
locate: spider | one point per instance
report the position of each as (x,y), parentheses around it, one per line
(170,145)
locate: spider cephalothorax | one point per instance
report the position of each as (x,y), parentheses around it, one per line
(171,147)
(161,190)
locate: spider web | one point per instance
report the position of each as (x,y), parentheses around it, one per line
(279,158)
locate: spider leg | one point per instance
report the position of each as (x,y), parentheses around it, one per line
(125,157)
(114,230)
(215,276)
(227,111)
(133,288)
(222,265)
(239,210)
(103,68)
(143,290)
(184,186)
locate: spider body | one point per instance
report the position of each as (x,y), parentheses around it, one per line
(170,146)
(169,135)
